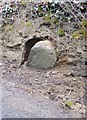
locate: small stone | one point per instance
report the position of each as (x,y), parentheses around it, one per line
(51,91)
(74,79)
(79,50)
(14,42)
(64,99)
(53,72)
(11,55)
(77,107)
(20,33)
(70,60)
(13,66)
(53,97)
(69,74)
(4,71)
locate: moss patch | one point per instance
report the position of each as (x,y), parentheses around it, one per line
(84,23)
(47,19)
(28,23)
(80,33)
(61,32)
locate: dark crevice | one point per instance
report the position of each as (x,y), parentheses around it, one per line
(28,45)
(86,63)
(48,24)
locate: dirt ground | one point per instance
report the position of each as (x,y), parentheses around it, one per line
(30,92)
(56,84)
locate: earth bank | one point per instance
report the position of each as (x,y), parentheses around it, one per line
(62,83)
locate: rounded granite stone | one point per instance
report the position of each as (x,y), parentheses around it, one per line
(42,55)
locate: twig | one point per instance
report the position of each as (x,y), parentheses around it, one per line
(73,15)
(75,9)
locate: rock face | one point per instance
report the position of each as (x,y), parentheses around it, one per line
(42,55)
(11,39)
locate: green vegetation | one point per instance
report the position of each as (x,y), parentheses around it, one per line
(10,28)
(79,33)
(84,23)
(39,9)
(47,18)
(24,3)
(61,32)
(55,21)
(69,104)
(28,23)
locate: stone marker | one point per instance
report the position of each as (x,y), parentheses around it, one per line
(42,55)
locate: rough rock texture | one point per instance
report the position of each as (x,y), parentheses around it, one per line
(42,55)
(10,55)
(12,39)
(59,84)
(28,45)
(14,42)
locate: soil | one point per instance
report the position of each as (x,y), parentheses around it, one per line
(57,85)
(53,87)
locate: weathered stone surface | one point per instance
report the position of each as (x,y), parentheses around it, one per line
(11,55)
(42,55)
(14,42)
